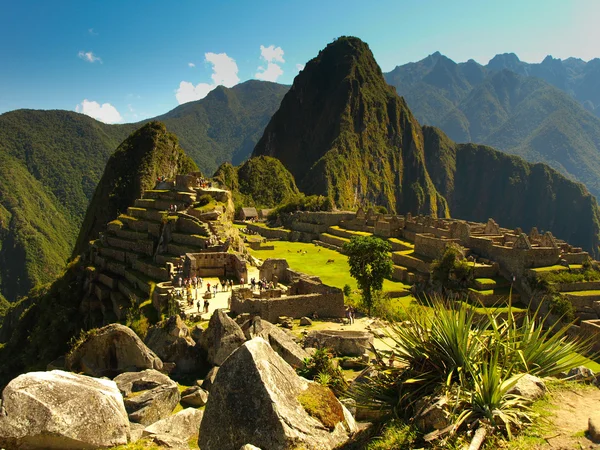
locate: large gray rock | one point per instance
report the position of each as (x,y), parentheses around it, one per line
(209,381)
(149,395)
(221,338)
(256,390)
(62,410)
(184,425)
(529,387)
(172,342)
(342,342)
(283,344)
(112,350)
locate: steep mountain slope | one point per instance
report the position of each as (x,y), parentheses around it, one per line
(344,133)
(224,126)
(519,114)
(262,181)
(340,127)
(134,167)
(479,182)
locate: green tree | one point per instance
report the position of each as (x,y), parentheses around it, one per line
(451,270)
(370,262)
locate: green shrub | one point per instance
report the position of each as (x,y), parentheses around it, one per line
(562,307)
(203,200)
(347,290)
(321,369)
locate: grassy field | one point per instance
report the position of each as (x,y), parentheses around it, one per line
(556,268)
(583,293)
(314,262)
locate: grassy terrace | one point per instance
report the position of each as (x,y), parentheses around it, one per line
(556,268)
(314,262)
(505,290)
(357,233)
(583,293)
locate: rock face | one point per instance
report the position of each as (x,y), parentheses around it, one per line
(184,425)
(594,428)
(283,344)
(62,410)
(208,382)
(256,390)
(221,338)
(343,343)
(172,342)
(149,395)
(529,387)
(112,350)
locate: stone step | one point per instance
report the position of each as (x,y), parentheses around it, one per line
(190,225)
(333,240)
(147,214)
(131,235)
(140,281)
(190,239)
(179,249)
(410,262)
(131,292)
(157,272)
(159,204)
(120,304)
(177,196)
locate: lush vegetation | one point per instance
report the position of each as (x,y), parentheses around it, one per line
(301,202)
(261,182)
(148,153)
(471,361)
(370,263)
(320,368)
(451,271)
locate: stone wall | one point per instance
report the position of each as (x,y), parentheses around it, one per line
(221,264)
(433,247)
(275,267)
(590,329)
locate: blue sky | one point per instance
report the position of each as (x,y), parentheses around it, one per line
(123,61)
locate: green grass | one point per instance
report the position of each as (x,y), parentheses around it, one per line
(315,263)
(556,268)
(497,291)
(583,293)
(400,241)
(357,233)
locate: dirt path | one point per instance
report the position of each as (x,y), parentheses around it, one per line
(568,421)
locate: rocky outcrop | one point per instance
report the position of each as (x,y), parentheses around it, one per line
(171,340)
(221,338)
(529,387)
(62,410)
(342,342)
(255,390)
(280,341)
(209,381)
(112,350)
(194,396)
(149,395)
(184,425)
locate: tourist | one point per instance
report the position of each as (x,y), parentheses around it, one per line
(205,305)
(253,283)
(207,287)
(198,305)
(200,281)
(179,282)
(222,285)
(242,281)
(215,290)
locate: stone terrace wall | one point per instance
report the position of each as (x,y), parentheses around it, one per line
(590,329)
(432,246)
(275,267)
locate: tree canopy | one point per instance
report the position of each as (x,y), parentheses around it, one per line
(370,263)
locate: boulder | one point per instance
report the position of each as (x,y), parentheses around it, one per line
(342,342)
(184,425)
(529,387)
(137,429)
(580,373)
(305,322)
(221,338)
(433,413)
(112,350)
(594,428)
(168,441)
(249,447)
(149,395)
(172,342)
(283,344)
(194,396)
(196,333)
(62,410)
(208,382)
(256,389)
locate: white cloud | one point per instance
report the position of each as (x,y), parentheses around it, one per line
(300,67)
(271,55)
(271,73)
(106,112)
(89,57)
(191,64)
(225,72)
(92,32)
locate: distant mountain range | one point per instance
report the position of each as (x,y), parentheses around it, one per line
(512,111)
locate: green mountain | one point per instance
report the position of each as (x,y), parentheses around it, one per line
(134,167)
(53,160)
(511,111)
(262,181)
(343,132)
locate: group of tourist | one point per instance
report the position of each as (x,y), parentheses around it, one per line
(203,182)
(350,314)
(261,284)
(172,208)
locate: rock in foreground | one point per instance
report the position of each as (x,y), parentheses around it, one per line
(62,410)
(258,399)
(112,350)
(221,338)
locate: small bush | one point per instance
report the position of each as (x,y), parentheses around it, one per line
(395,434)
(381,210)
(562,307)
(204,200)
(321,369)
(347,290)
